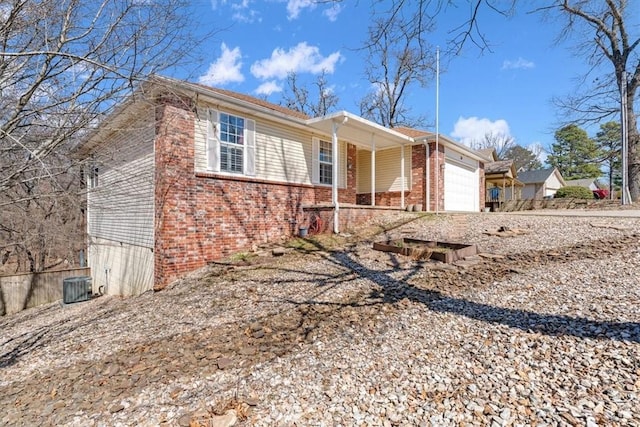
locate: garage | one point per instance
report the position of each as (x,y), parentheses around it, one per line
(461,183)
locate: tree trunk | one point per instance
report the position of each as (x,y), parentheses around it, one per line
(633,155)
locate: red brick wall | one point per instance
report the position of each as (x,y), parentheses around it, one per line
(204,217)
(418,164)
(351,216)
(436,171)
(483,193)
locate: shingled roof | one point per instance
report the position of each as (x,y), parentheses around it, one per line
(501,166)
(258,101)
(535,176)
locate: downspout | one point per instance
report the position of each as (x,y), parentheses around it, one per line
(334,177)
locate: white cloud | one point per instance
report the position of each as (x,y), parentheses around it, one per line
(300,59)
(332,12)
(243,13)
(518,64)
(470,129)
(225,69)
(294,7)
(267,88)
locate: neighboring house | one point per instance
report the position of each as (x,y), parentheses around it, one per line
(188,174)
(541,183)
(501,179)
(591,183)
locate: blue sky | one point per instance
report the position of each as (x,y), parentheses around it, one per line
(507,90)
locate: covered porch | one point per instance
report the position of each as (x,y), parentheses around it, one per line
(501,183)
(382,163)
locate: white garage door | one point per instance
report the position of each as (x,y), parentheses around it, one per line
(461,187)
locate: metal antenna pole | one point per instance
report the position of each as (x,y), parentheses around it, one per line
(437,171)
(626,196)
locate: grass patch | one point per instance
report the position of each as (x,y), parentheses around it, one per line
(242,257)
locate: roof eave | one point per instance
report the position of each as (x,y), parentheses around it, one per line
(443,139)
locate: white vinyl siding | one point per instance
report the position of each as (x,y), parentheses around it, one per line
(120,269)
(282,154)
(388,176)
(121,207)
(120,210)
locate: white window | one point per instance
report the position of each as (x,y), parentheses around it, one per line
(92,180)
(325,160)
(323,157)
(231,143)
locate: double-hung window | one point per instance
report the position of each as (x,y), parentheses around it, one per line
(92,178)
(230,143)
(325,162)
(323,158)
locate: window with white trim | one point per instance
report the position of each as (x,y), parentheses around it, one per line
(325,162)
(93,176)
(231,143)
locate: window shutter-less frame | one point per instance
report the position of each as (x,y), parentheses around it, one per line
(315,160)
(250,147)
(213,141)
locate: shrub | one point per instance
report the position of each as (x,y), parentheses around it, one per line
(573,193)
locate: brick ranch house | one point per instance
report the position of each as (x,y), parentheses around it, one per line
(184,174)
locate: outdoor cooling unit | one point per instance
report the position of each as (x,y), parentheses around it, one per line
(76,289)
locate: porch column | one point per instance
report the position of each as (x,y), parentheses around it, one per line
(334,178)
(513,194)
(373,170)
(402,176)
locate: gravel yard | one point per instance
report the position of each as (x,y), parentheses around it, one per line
(543,328)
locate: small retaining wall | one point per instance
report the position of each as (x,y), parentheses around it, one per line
(350,215)
(22,291)
(527,205)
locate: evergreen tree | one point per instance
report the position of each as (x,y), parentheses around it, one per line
(575,154)
(609,140)
(523,158)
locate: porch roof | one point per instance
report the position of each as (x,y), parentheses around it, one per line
(359,131)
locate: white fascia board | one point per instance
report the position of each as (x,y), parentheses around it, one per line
(448,142)
(359,130)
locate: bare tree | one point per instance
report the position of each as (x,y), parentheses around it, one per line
(420,16)
(397,60)
(609,40)
(42,218)
(501,142)
(297,96)
(65,64)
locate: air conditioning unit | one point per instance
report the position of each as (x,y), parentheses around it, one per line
(76,289)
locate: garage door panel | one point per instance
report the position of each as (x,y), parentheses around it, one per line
(461,187)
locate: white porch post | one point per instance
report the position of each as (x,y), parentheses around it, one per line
(373,170)
(402,176)
(334,178)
